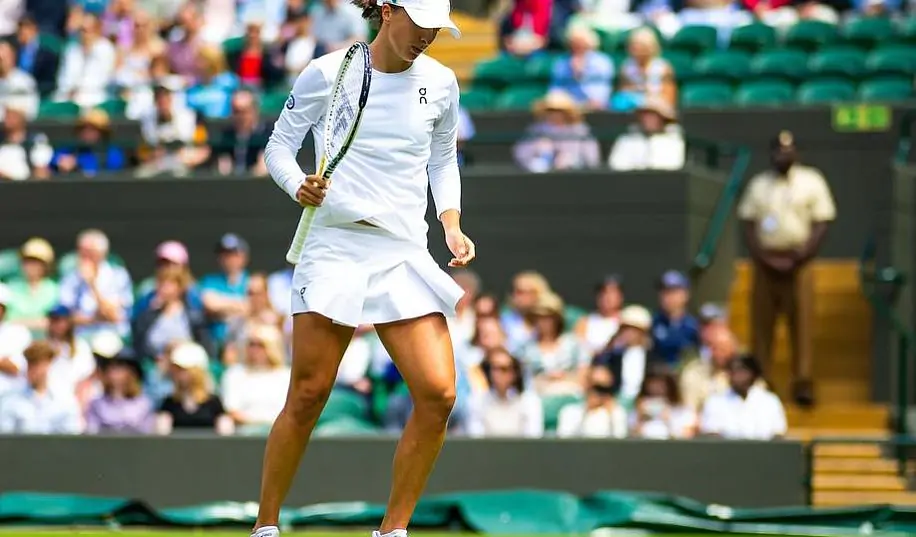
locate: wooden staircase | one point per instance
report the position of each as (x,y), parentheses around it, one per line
(478,42)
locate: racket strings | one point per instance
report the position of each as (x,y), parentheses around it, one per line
(344,107)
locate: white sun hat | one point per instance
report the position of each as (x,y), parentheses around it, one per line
(427,13)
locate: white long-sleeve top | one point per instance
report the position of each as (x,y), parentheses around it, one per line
(407,139)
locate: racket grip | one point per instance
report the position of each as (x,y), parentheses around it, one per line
(302,232)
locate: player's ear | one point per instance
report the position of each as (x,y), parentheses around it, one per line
(387,11)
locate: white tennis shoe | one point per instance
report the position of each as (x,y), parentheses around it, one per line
(267,531)
(392,533)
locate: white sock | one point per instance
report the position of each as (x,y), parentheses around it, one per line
(392,533)
(266,531)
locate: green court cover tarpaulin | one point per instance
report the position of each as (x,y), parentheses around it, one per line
(517,512)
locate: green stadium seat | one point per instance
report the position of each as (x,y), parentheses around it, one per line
(867,32)
(681,63)
(540,67)
(753,38)
(115,108)
(791,65)
(826,91)
(894,60)
(611,41)
(233,46)
(478,99)
(811,35)
(9,264)
(58,110)
(553,405)
(694,39)
(272,102)
(519,97)
(886,90)
(500,72)
(51,42)
(846,63)
(705,94)
(765,93)
(344,427)
(725,65)
(906,31)
(345,404)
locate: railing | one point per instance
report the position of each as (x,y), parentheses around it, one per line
(905,137)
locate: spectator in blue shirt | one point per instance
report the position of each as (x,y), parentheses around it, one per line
(674,330)
(225,293)
(585,73)
(93,152)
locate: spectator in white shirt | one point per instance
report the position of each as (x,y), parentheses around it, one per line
(172,140)
(13,341)
(597,328)
(23,155)
(655,142)
(600,416)
(337,24)
(463,324)
(254,391)
(353,373)
(507,409)
(10,12)
(628,355)
(659,412)
(16,86)
(301,48)
(748,411)
(34,408)
(99,293)
(88,66)
(72,372)
(556,359)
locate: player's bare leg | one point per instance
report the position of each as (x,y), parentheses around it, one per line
(422,350)
(318,347)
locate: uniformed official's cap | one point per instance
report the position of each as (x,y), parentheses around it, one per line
(710,312)
(427,13)
(783,140)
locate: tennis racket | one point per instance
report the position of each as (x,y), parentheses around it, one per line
(344,111)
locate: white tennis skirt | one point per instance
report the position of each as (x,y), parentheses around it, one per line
(358,274)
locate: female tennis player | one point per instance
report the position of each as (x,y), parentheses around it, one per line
(365,258)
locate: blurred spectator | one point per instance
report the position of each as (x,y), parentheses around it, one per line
(240,149)
(674,330)
(73,368)
(654,142)
(486,305)
(169,254)
(17,87)
(23,154)
(100,294)
(135,59)
(628,354)
(210,96)
(185,42)
(597,328)
(466,132)
(254,64)
(559,139)
(87,68)
(526,29)
(785,213)
(157,383)
(173,142)
(584,73)
(34,408)
(600,416)
(122,408)
(260,312)
(168,316)
(94,151)
(464,323)
(707,376)
(13,341)
(488,336)
(527,289)
(301,48)
(34,58)
(269,14)
(867,8)
(279,289)
(357,360)
(118,22)
(723,15)
(192,404)
(644,73)
(219,19)
(10,11)
(254,390)
(337,24)
(50,15)
(33,293)
(659,411)
(507,409)
(747,411)
(225,293)
(610,16)
(556,359)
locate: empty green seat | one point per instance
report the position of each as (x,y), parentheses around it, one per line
(886,90)
(845,62)
(612,41)
(705,94)
(115,108)
(519,97)
(791,65)
(345,404)
(51,42)
(753,38)
(826,91)
(896,60)
(906,30)
(540,67)
(58,110)
(694,39)
(552,406)
(478,99)
(500,72)
(764,93)
(233,46)
(9,264)
(867,32)
(681,63)
(274,101)
(726,65)
(811,35)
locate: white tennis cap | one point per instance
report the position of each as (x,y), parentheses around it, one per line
(427,13)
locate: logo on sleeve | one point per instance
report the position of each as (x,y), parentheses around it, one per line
(422,95)
(290,102)
(302,294)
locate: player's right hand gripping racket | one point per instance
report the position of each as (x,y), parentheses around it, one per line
(344,111)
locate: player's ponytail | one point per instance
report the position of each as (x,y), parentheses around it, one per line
(372,11)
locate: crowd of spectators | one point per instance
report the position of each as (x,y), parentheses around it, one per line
(84,347)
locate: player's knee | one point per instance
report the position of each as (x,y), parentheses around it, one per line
(307,397)
(436,403)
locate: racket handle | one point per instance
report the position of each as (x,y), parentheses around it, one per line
(302,232)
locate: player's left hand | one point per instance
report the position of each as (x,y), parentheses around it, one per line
(461,247)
